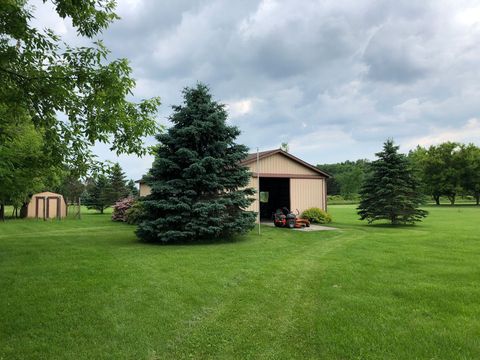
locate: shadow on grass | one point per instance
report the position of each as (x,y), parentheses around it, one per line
(394,226)
(364,226)
(451,206)
(227,241)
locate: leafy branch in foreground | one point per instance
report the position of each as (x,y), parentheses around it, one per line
(74,96)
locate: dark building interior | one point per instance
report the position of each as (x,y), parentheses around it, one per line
(278,190)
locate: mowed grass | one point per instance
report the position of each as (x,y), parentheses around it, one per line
(89,290)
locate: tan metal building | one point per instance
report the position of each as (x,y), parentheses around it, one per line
(285,180)
(144,189)
(47,205)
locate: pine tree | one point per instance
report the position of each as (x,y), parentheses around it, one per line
(132,189)
(198,186)
(118,183)
(98,194)
(391,192)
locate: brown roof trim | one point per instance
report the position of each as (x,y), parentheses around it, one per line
(251,158)
(289,176)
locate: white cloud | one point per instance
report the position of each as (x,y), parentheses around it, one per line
(469,16)
(46,17)
(240,107)
(327,139)
(468,132)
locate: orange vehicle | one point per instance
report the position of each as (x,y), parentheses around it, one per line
(285,218)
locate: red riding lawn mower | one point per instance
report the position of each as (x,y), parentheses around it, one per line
(285,218)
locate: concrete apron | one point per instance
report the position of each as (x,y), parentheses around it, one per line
(313,227)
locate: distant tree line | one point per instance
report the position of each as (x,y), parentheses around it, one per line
(446,170)
(449,169)
(347,177)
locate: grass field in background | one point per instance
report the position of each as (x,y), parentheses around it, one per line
(460,200)
(87,289)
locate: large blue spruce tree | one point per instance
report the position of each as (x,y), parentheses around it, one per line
(199,188)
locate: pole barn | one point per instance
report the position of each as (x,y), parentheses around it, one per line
(284,180)
(281,180)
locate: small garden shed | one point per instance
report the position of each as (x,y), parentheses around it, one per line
(284,180)
(47,205)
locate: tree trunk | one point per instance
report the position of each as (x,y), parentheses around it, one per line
(24,210)
(2,212)
(477,198)
(452,199)
(437,199)
(101,210)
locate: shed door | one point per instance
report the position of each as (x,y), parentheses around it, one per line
(40,207)
(52,207)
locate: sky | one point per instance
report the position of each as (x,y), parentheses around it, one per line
(333,79)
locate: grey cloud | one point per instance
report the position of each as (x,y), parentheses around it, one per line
(395,57)
(317,74)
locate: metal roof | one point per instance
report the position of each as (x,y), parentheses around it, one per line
(264,154)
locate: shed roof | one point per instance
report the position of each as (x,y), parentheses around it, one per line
(46,193)
(251,158)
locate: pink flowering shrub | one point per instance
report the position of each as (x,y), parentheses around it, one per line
(120,209)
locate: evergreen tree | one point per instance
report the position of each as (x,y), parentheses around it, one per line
(391,192)
(98,193)
(118,183)
(198,186)
(132,189)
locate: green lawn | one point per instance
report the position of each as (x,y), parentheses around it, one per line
(88,290)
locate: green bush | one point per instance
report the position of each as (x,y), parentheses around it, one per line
(317,216)
(135,213)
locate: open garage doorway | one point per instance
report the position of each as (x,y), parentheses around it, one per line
(276,194)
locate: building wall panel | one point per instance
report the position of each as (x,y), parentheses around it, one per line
(253,183)
(144,189)
(280,164)
(307,193)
